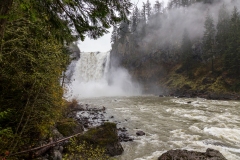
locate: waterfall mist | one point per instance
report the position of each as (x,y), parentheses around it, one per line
(93,77)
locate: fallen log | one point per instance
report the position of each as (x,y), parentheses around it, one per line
(42,149)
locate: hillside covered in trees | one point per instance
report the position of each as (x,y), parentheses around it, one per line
(188,45)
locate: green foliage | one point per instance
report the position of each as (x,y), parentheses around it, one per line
(34,35)
(84,150)
(75,19)
(31,66)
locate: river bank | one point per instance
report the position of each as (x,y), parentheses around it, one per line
(88,126)
(188,93)
(169,124)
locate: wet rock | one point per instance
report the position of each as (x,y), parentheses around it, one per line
(123,135)
(140,133)
(178,154)
(105,136)
(69,127)
(211,153)
(92,116)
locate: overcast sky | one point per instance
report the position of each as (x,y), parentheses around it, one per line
(103,44)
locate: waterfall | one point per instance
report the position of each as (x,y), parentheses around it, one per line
(92,66)
(92,76)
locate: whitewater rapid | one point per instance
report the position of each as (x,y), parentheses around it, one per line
(172,123)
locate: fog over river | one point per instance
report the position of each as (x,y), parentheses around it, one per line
(174,123)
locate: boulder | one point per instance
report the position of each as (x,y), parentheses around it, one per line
(69,127)
(140,133)
(178,154)
(105,136)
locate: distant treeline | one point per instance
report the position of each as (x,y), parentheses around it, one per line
(189,32)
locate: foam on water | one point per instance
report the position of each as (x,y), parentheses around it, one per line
(169,125)
(228,134)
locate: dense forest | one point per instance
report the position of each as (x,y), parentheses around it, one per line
(188,42)
(34,51)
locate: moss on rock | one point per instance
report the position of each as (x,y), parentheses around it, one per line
(104,136)
(69,126)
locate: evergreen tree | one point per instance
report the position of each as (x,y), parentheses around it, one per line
(148,10)
(209,39)
(186,49)
(123,30)
(222,30)
(114,36)
(157,7)
(232,59)
(142,22)
(81,17)
(134,20)
(209,34)
(174,4)
(143,14)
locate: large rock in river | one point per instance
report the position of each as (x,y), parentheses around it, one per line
(178,154)
(104,136)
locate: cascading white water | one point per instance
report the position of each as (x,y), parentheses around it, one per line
(92,66)
(92,77)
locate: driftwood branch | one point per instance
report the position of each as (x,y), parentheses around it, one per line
(44,148)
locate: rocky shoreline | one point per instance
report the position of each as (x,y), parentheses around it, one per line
(91,121)
(93,116)
(98,127)
(189,93)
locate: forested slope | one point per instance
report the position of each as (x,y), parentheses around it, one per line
(188,45)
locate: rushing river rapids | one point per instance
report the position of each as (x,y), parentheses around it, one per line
(169,123)
(174,123)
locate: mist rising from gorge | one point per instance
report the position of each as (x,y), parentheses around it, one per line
(169,26)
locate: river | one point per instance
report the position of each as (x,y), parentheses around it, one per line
(174,123)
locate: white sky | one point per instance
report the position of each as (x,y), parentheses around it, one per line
(103,44)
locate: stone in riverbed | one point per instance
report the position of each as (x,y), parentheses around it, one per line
(105,136)
(69,127)
(140,133)
(178,154)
